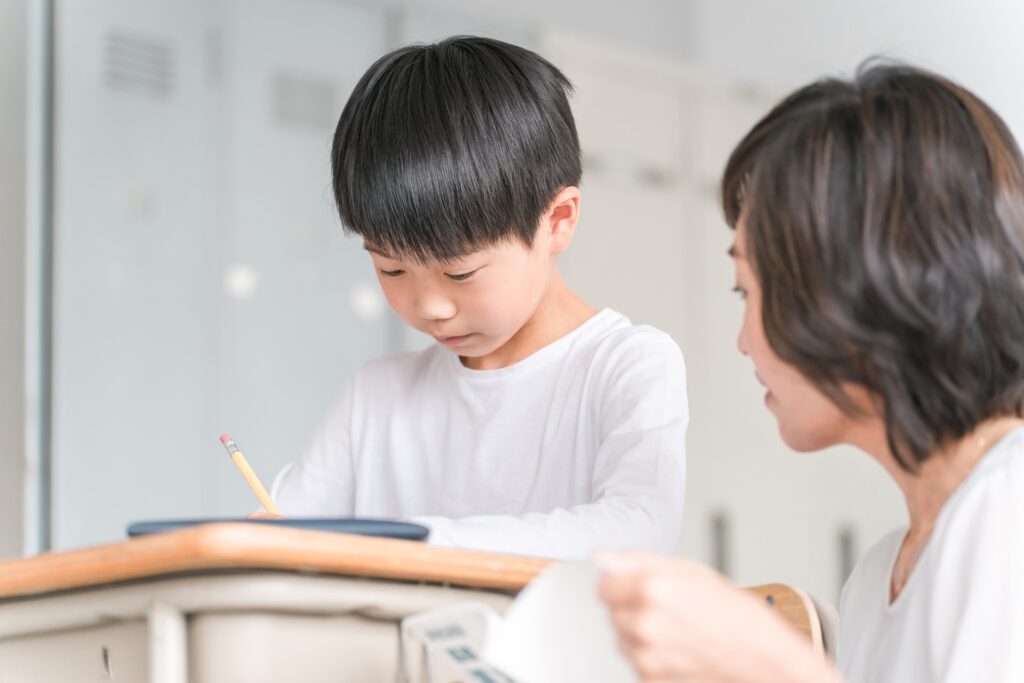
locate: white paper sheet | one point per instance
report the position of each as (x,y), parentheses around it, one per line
(559,631)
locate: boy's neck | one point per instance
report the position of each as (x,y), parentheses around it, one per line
(560,312)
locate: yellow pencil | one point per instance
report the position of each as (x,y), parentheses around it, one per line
(250,477)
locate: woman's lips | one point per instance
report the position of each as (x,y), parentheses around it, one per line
(768,395)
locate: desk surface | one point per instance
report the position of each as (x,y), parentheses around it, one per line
(254,546)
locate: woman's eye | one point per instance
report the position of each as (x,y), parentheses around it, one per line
(742,292)
(459,277)
(391,273)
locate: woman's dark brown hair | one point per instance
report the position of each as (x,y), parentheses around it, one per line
(884,221)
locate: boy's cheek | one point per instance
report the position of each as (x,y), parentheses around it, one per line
(396,301)
(406,313)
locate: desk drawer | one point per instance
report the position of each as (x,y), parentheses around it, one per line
(95,654)
(269,648)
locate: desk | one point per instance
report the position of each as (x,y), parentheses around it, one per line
(247,603)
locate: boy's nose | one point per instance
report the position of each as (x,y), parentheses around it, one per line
(435,308)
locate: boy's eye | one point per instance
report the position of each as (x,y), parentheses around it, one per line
(459,277)
(391,273)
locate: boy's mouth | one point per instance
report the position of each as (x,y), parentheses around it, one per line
(453,341)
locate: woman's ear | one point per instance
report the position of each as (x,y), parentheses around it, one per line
(560,218)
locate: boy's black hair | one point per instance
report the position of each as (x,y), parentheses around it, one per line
(448,148)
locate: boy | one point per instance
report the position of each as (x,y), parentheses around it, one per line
(537,424)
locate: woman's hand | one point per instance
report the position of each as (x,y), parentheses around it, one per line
(681,621)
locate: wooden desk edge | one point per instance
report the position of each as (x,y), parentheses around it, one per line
(250,546)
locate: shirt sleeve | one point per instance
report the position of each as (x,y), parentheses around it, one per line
(977,605)
(320,483)
(641,415)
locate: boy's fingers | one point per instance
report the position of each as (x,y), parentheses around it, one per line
(264,515)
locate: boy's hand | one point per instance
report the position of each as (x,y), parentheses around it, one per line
(263,514)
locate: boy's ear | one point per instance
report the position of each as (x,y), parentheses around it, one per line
(559,221)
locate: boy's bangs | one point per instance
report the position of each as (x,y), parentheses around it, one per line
(446,149)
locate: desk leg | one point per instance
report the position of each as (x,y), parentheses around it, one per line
(168,645)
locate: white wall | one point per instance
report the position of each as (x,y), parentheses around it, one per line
(784,43)
(659,27)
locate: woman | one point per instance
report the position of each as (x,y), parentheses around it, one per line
(879,250)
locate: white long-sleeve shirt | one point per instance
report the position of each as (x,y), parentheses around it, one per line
(579,446)
(960,616)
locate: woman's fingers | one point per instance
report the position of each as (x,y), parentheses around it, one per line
(666,613)
(677,620)
(620,590)
(635,577)
(625,562)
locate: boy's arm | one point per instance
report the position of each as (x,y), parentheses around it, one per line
(639,473)
(319,484)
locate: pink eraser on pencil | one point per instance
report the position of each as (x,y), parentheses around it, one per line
(224,438)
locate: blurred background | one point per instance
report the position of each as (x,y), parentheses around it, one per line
(172,266)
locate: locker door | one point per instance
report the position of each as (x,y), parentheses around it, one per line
(203,283)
